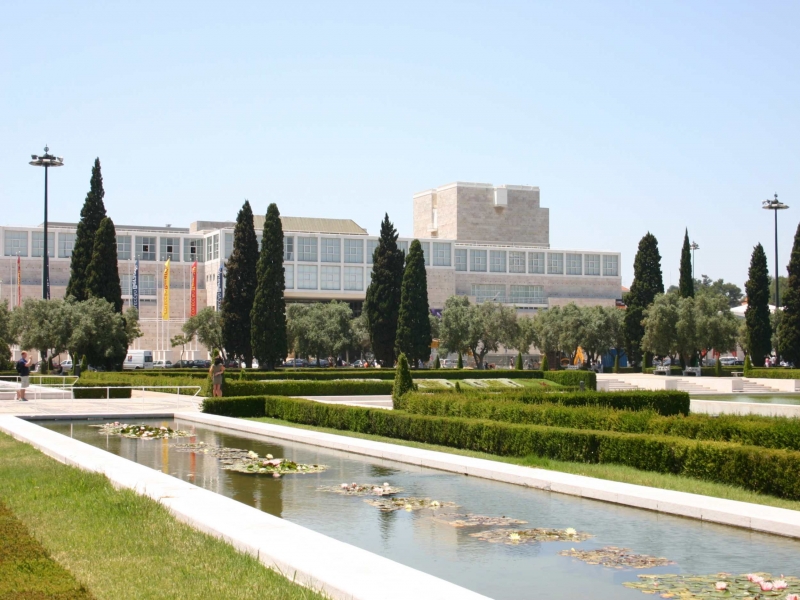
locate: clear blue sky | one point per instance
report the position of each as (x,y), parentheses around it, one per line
(630,116)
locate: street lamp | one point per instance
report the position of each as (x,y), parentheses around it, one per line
(46,160)
(694,246)
(775,205)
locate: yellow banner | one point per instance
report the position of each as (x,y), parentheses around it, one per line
(165,305)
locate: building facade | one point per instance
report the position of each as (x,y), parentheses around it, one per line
(489,243)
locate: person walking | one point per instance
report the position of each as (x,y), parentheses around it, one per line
(24,372)
(216,371)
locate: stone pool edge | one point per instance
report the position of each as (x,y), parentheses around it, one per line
(335,568)
(757,517)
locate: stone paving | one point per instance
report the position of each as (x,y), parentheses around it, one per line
(147,403)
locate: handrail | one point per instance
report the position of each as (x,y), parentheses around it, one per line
(17,378)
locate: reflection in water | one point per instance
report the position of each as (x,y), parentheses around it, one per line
(415,539)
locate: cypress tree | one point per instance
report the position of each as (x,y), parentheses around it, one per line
(545,366)
(647,282)
(460,363)
(757,320)
(686,284)
(403,383)
(102,275)
(92,213)
(382,303)
(789,324)
(268,317)
(413,325)
(518,363)
(240,288)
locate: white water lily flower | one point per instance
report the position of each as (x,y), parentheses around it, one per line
(252,454)
(385,485)
(570,531)
(513,536)
(269,456)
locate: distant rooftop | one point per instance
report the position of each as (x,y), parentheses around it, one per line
(312,225)
(57,225)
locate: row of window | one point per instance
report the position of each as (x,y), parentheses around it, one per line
(337,250)
(520,294)
(552,263)
(146,248)
(310,277)
(16,243)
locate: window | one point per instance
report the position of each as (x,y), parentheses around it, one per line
(354,278)
(574,264)
(516,262)
(527,294)
(288,247)
(209,249)
(330,250)
(216,246)
(193,250)
(66,243)
(123,247)
(497,261)
(288,275)
(170,249)
(228,245)
(536,262)
(371,245)
(125,284)
(555,263)
(610,265)
(477,260)
(146,248)
(16,243)
(147,285)
(426,252)
(329,278)
(354,251)
(306,277)
(403,245)
(488,293)
(37,243)
(441,254)
(307,249)
(461,259)
(591,264)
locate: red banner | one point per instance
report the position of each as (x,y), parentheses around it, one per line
(19,281)
(193,301)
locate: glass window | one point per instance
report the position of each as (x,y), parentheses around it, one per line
(555,263)
(461,259)
(354,251)
(66,243)
(477,260)
(209,248)
(536,262)
(307,249)
(610,265)
(288,275)
(330,250)
(125,284)
(147,285)
(329,278)
(170,249)
(216,246)
(228,245)
(488,292)
(426,251)
(354,278)
(516,262)
(307,276)
(16,243)
(193,249)
(527,294)
(497,260)
(441,254)
(591,264)
(123,247)
(574,264)
(288,247)
(37,243)
(371,245)
(146,248)
(403,245)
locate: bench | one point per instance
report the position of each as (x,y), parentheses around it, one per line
(662,370)
(572,367)
(696,371)
(737,373)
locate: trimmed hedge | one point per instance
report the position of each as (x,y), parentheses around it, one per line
(84,390)
(237,387)
(767,432)
(138,380)
(142,374)
(235,407)
(704,371)
(776,373)
(388,374)
(762,470)
(573,378)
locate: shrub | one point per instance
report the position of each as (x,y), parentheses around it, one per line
(235,407)
(235,387)
(83,390)
(717,368)
(748,365)
(460,363)
(402,379)
(386,374)
(776,373)
(138,380)
(571,377)
(545,366)
(518,362)
(437,363)
(616,363)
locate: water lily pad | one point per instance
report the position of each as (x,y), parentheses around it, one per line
(719,585)
(470,520)
(409,504)
(249,462)
(144,432)
(361,489)
(617,558)
(522,536)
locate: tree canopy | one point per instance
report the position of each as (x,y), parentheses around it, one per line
(92,213)
(789,324)
(413,323)
(757,318)
(206,326)
(686,285)
(319,329)
(102,277)
(647,283)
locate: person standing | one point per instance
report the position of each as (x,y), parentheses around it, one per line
(216,371)
(24,372)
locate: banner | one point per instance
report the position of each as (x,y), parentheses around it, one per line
(219,287)
(135,286)
(165,304)
(19,281)
(193,300)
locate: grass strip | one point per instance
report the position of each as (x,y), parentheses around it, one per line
(122,545)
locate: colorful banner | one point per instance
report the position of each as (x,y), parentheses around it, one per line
(193,300)
(165,304)
(135,286)
(219,287)
(19,281)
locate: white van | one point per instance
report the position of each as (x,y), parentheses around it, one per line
(138,359)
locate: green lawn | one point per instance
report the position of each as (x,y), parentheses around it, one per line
(119,544)
(601,471)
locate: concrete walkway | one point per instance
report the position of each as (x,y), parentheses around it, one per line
(147,404)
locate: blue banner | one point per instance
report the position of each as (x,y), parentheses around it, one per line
(219,287)
(135,286)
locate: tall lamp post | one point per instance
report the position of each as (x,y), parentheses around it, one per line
(694,246)
(775,205)
(46,160)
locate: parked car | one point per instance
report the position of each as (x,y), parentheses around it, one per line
(162,364)
(293,363)
(66,364)
(138,359)
(727,361)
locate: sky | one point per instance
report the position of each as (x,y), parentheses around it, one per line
(630,116)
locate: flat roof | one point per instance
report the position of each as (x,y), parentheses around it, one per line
(314,225)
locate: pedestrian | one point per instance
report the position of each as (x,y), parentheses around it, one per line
(216,371)
(24,371)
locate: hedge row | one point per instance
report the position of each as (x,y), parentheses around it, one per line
(388,374)
(774,373)
(237,387)
(573,378)
(762,470)
(235,407)
(146,375)
(704,371)
(84,390)
(768,432)
(138,380)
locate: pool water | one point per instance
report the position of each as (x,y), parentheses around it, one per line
(415,539)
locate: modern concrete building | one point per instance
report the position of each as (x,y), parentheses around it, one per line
(482,241)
